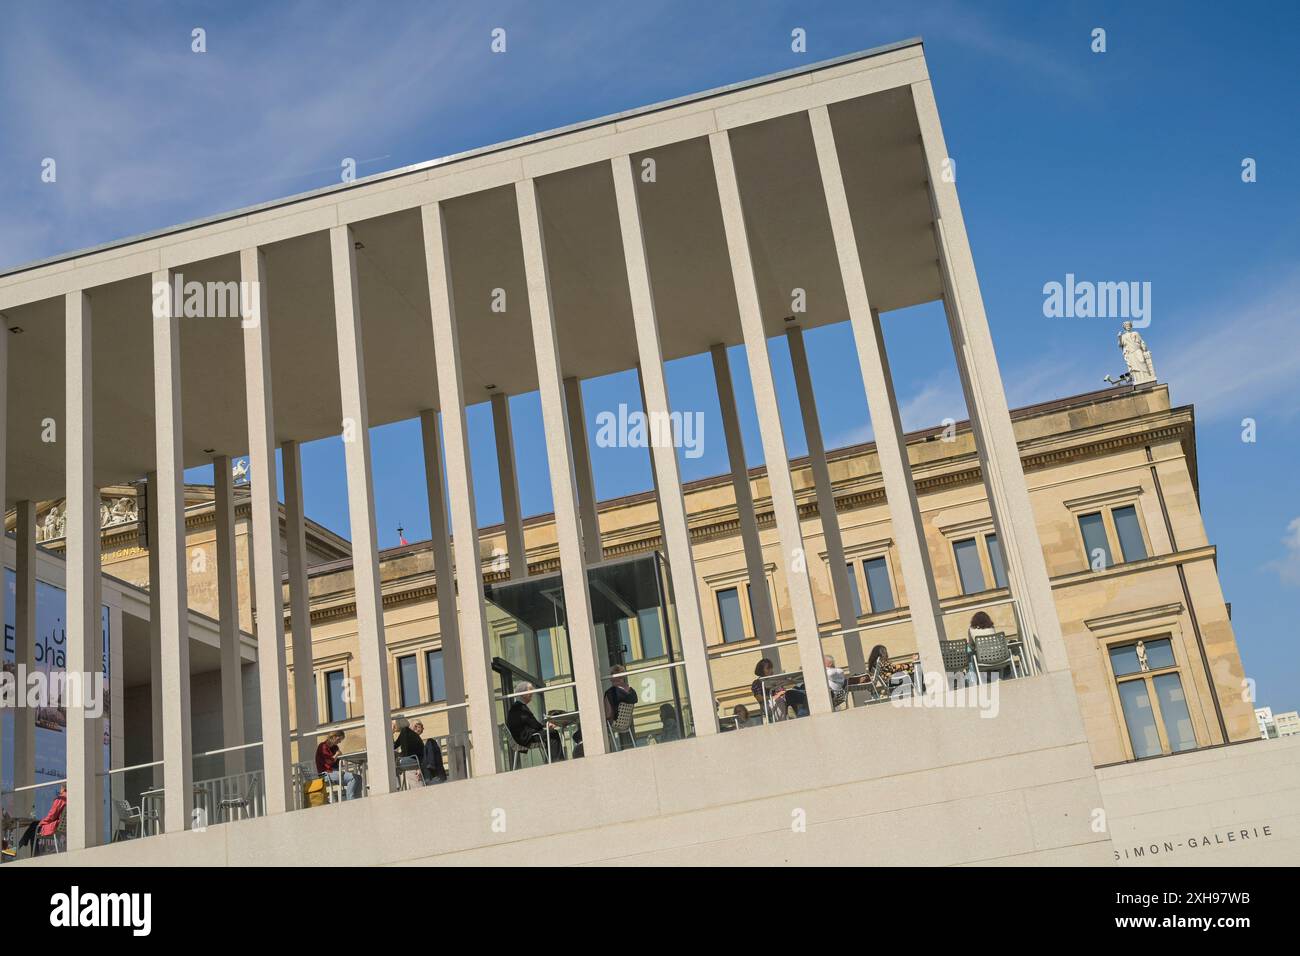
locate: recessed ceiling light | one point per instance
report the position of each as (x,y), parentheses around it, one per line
(16,329)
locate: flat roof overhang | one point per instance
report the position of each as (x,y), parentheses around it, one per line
(878,139)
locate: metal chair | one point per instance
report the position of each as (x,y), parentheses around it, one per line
(956,657)
(404,767)
(993,654)
(244,804)
(622,724)
(128,818)
(518,751)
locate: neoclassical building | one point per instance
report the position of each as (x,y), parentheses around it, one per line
(680,229)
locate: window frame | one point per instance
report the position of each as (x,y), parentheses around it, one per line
(1107,503)
(1185,679)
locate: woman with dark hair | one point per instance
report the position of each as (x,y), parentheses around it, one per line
(981,622)
(779,699)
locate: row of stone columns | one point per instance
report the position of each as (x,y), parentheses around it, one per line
(461,609)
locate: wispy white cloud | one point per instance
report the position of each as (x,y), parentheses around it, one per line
(1238,357)
(1287,567)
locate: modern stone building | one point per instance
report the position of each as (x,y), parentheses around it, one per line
(671,231)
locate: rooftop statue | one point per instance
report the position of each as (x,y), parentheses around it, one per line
(1141,370)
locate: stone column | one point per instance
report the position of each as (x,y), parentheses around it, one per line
(986,402)
(306,710)
(839,571)
(556,419)
(474,648)
(588,513)
(769,423)
(444,574)
(891,446)
(25,653)
(510,513)
(169,540)
(760,594)
(155,632)
(82,556)
(232,685)
(268,595)
(372,649)
(672,503)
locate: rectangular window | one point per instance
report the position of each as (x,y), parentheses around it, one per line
(437,675)
(968,566)
(337,707)
(1131,544)
(1152,697)
(408,677)
(546,653)
(996,561)
(879,592)
(1173,711)
(1095,541)
(733,625)
(652,635)
(853,587)
(1139,717)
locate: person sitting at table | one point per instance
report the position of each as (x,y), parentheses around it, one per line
(407,743)
(48,825)
(837,679)
(431,758)
(778,700)
(740,713)
(889,676)
(617,694)
(524,726)
(327,756)
(670,729)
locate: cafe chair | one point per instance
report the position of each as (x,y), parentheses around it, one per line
(956,657)
(993,654)
(519,751)
(243,804)
(622,724)
(130,821)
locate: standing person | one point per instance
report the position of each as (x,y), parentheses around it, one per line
(617,694)
(407,743)
(327,756)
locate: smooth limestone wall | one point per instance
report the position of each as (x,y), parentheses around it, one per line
(1230,806)
(876,785)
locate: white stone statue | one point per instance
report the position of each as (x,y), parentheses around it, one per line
(55,524)
(239,471)
(1136,356)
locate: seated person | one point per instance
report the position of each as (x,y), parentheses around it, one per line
(780,700)
(408,744)
(616,694)
(837,679)
(670,729)
(887,675)
(327,755)
(524,726)
(48,825)
(431,759)
(740,713)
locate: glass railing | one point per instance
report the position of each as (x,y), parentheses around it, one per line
(25,807)
(745,697)
(646,704)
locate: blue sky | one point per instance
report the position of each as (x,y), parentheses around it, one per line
(1123,165)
